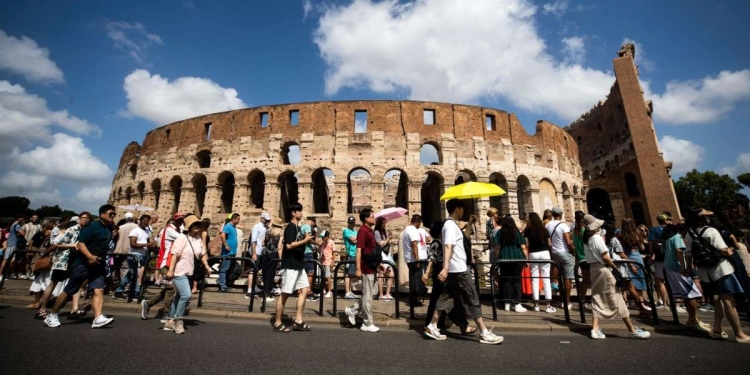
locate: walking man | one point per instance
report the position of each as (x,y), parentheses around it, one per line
(457,279)
(122,248)
(365,246)
(11,244)
(293,267)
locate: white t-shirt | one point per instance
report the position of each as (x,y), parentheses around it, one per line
(718,271)
(423,244)
(594,249)
(258,236)
(141,237)
(452,235)
(410,235)
(558,237)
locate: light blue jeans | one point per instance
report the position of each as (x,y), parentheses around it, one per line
(182,297)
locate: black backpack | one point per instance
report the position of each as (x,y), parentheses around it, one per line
(703,253)
(235,271)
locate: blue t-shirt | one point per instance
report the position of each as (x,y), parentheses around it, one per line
(305,229)
(349,245)
(231,232)
(654,234)
(13,236)
(671,263)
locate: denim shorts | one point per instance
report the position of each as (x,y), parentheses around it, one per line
(726,285)
(80,273)
(565,263)
(309,266)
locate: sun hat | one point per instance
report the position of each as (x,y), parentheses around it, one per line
(592,223)
(277,222)
(324,234)
(190,220)
(74,219)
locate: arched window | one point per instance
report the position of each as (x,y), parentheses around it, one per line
(359,194)
(638,215)
(257,181)
(289,192)
(599,204)
(501,202)
(141,190)
(156,189)
(432,189)
(204,159)
(290,154)
(176,186)
(469,204)
(226,181)
(322,179)
(396,191)
(631,184)
(128,194)
(199,185)
(430,154)
(133,171)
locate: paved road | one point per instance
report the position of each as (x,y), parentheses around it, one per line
(222,346)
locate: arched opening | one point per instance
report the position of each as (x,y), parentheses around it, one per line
(631,184)
(396,191)
(617,161)
(597,172)
(430,154)
(133,171)
(525,206)
(119,193)
(257,181)
(567,204)
(432,189)
(289,193)
(176,186)
(204,159)
(547,195)
(200,187)
(586,175)
(322,180)
(141,191)
(226,181)
(638,215)
(359,192)
(128,195)
(501,203)
(290,154)
(156,189)
(599,204)
(470,205)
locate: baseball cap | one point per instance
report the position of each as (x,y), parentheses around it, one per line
(700,211)
(351,219)
(265,216)
(324,234)
(74,218)
(128,215)
(557,210)
(178,216)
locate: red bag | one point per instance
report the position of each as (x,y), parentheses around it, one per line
(526,287)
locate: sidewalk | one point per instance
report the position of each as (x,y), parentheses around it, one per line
(234,306)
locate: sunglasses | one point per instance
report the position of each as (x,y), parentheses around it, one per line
(111,214)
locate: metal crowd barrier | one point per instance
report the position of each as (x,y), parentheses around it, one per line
(317,276)
(6,272)
(646,277)
(496,265)
(353,261)
(250,288)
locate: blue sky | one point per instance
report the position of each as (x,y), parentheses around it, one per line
(78,81)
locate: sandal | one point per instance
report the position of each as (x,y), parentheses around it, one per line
(281,328)
(77,313)
(468,331)
(41,315)
(301,326)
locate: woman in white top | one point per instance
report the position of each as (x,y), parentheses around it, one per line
(607,302)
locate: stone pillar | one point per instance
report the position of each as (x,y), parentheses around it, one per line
(188,203)
(443,210)
(618,207)
(512,199)
(148,200)
(212,206)
(272,199)
(166,199)
(535,205)
(415,198)
(377,191)
(568,205)
(304,192)
(241,200)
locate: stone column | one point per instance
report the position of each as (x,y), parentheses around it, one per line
(618,207)
(377,191)
(568,205)
(535,206)
(415,197)
(512,199)
(166,199)
(212,206)
(241,200)
(272,199)
(188,203)
(148,200)
(304,192)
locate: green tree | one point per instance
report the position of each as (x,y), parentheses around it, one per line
(744,179)
(718,193)
(12,206)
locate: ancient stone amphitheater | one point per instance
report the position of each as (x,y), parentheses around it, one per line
(336,158)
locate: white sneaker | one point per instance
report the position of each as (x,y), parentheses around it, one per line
(370,328)
(433,332)
(519,308)
(163,320)
(52,321)
(258,290)
(536,308)
(269,299)
(550,310)
(681,310)
(276,291)
(329,295)
(598,334)
(490,338)
(1,278)
(144,309)
(507,307)
(101,321)
(351,315)
(350,295)
(640,333)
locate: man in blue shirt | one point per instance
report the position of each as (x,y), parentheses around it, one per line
(14,233)
(350,245)
(229,246)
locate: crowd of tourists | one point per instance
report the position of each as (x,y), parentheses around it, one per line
(704,267)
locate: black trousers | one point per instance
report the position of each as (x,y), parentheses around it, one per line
(269,264)
(511,287)
(457,313)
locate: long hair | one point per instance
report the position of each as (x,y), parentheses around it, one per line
(631,236)
(547,215)
(508,230)
(380,225)
(537,232)
(610,232)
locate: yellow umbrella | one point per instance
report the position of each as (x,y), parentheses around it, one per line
(470,190)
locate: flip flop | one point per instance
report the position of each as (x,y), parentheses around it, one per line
(469,331)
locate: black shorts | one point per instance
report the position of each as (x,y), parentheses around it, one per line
(60,275)
(79,273)
(460,286)
(309,266)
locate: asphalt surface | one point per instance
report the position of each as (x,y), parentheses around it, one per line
(131,345)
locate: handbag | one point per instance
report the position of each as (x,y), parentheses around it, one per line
(42,264)
(619,279)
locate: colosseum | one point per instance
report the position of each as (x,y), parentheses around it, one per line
(336,158)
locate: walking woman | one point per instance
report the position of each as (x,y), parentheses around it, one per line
(633,244)
(384,240)
(607,302)
(510,244)
(538,241)
(186,250)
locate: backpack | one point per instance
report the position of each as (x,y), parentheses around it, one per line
(235,271)
(703,253)
(373,258)
(467,249)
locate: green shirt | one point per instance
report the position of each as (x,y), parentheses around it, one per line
(578,242)
(510,250)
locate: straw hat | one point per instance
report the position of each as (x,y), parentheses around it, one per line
(190,220)
(277,222)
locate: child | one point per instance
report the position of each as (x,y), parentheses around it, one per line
(326,252)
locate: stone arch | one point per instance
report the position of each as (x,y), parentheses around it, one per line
(133,171)
(631,184)
(617,161)
(586,175)
(501,203)
(119,193)
(470,208)
(200,186)
(433,187)
(599,204)
(607,166)
(204,158)
(156,189)
(359,191)
(141,189)
(322,180)
(639,215)
(176,185)
(430,154)
(226,182)
(548,195)
(290,153)
(256,180)
(568,203)
(525,205)
(396,189)
(289,192)
(597,171)
(128,195)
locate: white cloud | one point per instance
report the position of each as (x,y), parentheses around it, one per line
(24,56)
(741,165)
(558,8)
(307,7)
(701,101)
(684,155)
(132,38)
(641,57)
(90,198)
(20,181)
(67,158)
(161,101)
(574,49)
(448,51)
